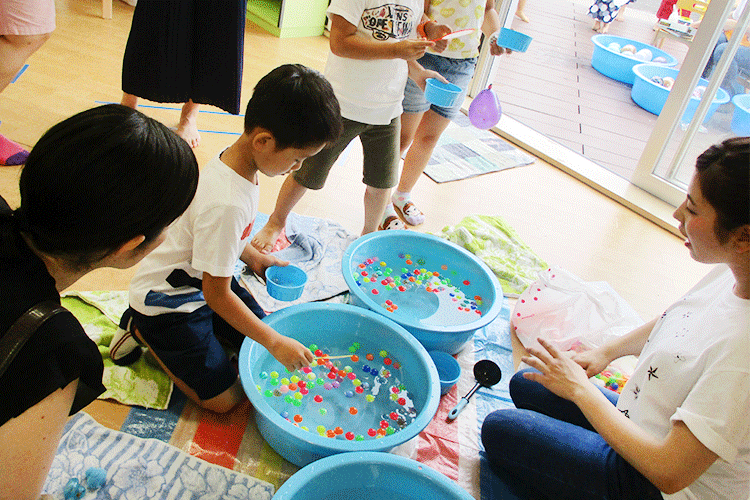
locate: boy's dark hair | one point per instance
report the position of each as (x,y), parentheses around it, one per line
(101,178)
(723,171)
(296,105)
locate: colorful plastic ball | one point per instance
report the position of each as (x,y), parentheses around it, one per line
(485,110)
(668,82)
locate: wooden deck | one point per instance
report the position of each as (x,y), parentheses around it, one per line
(553,88)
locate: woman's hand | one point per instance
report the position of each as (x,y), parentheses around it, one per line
(558,371)
(593,361)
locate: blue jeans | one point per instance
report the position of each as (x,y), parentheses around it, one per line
(457,71)
(741,61)
(545,448)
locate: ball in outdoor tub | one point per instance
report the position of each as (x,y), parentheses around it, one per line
(657,80)
(614,46)
(659,59)
(644,55)
(667,82)
(629,48)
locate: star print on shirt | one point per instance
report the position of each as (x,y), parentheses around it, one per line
(652,372)
(636,392)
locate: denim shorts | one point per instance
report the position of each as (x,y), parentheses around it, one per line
(457,71)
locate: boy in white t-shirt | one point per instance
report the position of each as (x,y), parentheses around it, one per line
(373,50)
(184,296)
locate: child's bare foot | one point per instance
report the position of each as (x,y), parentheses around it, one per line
(265,239)
(522,16)
(604,28)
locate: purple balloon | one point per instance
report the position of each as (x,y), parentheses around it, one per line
(485,110)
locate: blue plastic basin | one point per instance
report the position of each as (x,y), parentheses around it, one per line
(652,96)
(613,64)
(741,117)
(335,328)
(442,318)
(369,476)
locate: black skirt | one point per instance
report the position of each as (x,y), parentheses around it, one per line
(179,50)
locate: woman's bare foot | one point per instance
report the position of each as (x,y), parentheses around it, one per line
(188,126)
(265,239)
(129,100)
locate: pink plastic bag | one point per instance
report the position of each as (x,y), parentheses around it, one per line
(570,313)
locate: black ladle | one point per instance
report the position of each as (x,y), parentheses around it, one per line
(487,374)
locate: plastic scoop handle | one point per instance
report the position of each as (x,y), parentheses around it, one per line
(454,34)
(463,402)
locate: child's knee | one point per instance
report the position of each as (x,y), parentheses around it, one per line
(225,401)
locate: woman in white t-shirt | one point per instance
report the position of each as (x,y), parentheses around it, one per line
(680,429)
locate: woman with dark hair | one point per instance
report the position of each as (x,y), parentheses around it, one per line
(97,190)
(680,429)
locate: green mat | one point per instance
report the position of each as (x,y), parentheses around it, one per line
(497,244)
(139,384)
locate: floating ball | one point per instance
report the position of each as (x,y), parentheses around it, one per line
(659,59)
(668,82)
(629,48)
(614,46)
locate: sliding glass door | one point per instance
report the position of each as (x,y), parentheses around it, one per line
(669,157)
(554,91)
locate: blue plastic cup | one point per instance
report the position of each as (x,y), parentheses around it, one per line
(441,94)
(449,371)
(285,283)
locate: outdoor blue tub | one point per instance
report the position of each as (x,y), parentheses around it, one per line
(383,399)
(369,476)
(618,66)
(441,293)
(741,117)
(652,96)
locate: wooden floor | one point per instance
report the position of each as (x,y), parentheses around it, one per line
(553,89)
(564,221)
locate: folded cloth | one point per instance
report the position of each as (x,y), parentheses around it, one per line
(314,245)
(141,468)
(140,383)
(498,245)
